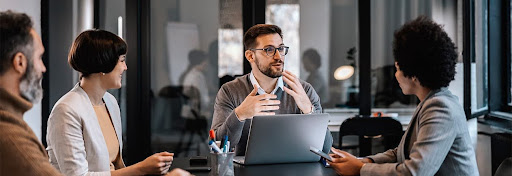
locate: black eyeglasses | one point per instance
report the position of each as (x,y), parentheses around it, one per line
(271,51)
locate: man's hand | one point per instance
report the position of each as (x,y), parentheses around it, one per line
(297,92)
(345,164)
(255,105)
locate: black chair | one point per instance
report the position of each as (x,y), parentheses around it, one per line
(175,100)
(505,168)
(371,127)
(501,149)
(195,123)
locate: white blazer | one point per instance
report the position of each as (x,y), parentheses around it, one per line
(76,145)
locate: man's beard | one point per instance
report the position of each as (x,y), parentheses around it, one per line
(30,85)
(268,69)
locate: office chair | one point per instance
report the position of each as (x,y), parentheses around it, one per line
(505,168)
(371,127)
(195,123)
(169,118)
(501,149)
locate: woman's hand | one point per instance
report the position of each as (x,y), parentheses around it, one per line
(178,172)
(156,164)
(345,164)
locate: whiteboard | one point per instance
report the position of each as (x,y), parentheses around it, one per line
(181,39)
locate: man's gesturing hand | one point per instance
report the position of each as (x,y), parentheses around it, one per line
(297,92)
(255,105)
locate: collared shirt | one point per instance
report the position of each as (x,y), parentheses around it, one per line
(261,91)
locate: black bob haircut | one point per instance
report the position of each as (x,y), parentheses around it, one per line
(422,49)
(96,51)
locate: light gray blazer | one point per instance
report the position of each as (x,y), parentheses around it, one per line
(76,145)
(437,142)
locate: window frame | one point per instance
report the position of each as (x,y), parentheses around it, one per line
(499,61)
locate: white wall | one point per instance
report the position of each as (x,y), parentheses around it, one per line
(33,9)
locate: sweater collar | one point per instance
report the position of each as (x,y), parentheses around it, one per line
(14,104)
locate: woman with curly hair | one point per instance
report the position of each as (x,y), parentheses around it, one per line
(437,140)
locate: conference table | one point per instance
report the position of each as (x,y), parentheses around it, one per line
(313,168)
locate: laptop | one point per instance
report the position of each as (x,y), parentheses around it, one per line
(284,139)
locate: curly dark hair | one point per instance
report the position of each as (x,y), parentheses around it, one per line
(15,37)
(422,49)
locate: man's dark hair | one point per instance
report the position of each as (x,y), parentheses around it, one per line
(15,37)
(313,57)
(257,30)
(96,51)
(195,57)
(422,49)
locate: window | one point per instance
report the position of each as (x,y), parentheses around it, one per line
(230,36)
(510,58)
(479,77)
(286,15)
(321,42)
(386,18)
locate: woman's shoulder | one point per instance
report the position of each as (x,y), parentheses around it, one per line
(73,98)
(443,104)
(443,99)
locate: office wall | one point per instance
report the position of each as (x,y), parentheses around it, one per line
(33,9)
(60,39)
(314,32)
(67,20)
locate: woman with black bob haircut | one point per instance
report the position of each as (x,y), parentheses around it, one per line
(437,140)
(84,128)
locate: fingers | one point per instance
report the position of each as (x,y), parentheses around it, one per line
(166,154)
(347,154)
(339,160)
(264,113)
(289,91)
(291,78)
(334,156)
(266,96)
(254,91)
(165,158)
(268,108)
(291,83)
(269,102)
(160,164)
(337,152)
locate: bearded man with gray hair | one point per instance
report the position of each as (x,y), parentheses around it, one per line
(21,72)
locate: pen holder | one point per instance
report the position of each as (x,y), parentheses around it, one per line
(222,164)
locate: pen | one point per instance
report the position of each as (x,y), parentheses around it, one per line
(226,150)
(222,142)
(214,147)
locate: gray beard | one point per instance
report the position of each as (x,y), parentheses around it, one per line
(30,86)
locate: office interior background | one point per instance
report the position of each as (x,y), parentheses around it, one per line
(351,68)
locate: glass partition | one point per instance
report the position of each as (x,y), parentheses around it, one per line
(190,52)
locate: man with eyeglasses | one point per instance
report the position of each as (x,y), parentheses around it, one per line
(267,90)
